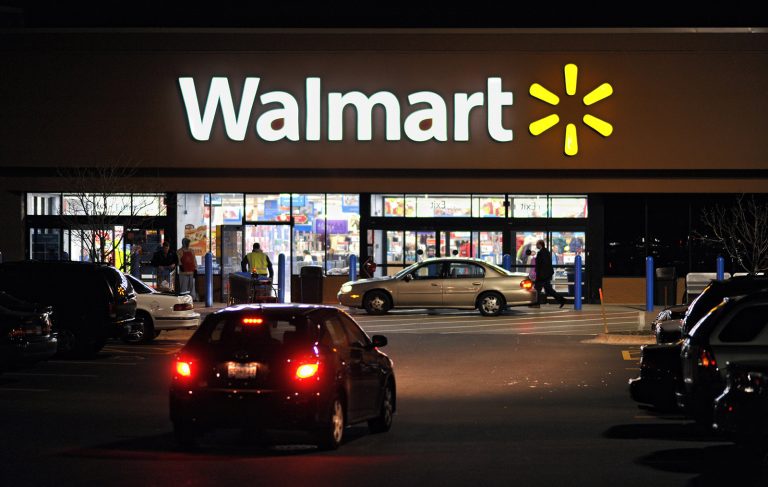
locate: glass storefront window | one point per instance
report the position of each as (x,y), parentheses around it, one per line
(194,222)
(566,246)
(149,205)
(529,206)
(267,207)
(43,203)
(488,246)
(456,244)
(96,204)
(488,206)
(568,206)
(525,249)
(308,230)
(45,244)
(441,205)
(226,209)
(342,231)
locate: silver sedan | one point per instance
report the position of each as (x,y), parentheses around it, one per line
(442,283)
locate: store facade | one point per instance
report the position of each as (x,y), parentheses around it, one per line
(398,145)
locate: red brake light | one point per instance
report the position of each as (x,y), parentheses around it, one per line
(252,321)
(706,359)
(183,368)
(305,371)
(182,306)
(526,284)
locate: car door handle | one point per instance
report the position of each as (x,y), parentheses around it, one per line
(476,283)
(435,284)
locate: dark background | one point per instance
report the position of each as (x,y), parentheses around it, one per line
(276,14)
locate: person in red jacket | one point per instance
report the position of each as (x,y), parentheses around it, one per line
(187,269)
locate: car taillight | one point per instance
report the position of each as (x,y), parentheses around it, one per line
(706,359)
(182,306)
(253,321)
(16,332)
(183,369)
(305,371)
(526,284)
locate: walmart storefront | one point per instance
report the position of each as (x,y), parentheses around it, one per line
(395,144)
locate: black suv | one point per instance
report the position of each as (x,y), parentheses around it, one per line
(91,302)
(281,366)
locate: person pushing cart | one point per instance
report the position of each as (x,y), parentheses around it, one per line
(257,262)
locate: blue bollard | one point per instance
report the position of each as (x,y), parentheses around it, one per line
(649,283)
(720,268)
(577,284)
(353,267)
(208,279)
(281,278)
(506,262)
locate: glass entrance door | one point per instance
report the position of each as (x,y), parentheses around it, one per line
(274,239)
(453,243)
(230,253)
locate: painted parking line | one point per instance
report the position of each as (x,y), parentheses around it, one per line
(631,355)
(509,323)
(498,319)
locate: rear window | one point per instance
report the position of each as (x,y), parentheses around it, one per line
(237,332)
(745,325)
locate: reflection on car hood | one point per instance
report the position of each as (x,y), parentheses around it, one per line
(372,279)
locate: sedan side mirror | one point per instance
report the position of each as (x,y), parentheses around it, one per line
(379,341)
(408,278)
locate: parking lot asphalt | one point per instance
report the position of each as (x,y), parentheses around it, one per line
(514,400)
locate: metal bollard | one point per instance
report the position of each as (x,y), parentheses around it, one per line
(506,262)
(353,267)
(720,268)
(577,284)
(281,278)
(649,283)
(208,279)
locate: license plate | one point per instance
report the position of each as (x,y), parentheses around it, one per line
(242,371)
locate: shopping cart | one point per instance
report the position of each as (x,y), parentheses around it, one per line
(245,287)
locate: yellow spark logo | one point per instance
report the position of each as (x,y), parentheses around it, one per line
(542,125)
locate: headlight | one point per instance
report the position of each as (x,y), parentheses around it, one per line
(346,288)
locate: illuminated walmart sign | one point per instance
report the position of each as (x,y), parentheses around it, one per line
(428,122)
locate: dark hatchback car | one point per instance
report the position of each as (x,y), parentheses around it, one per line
(91,302)
(735,331)
(25,332)
(281,366)
(661,374)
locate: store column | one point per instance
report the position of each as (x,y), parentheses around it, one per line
(12,216)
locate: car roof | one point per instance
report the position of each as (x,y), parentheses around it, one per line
(280,308)
(719,311)
(462,259)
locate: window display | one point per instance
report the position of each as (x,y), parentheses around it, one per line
(529,206)
(268,207)
(568,207)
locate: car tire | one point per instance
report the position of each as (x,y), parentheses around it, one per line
(490,304)
(330,435)
(377,303)
(187,434)
(143,329)
(383,422)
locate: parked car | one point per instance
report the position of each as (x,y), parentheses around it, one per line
(661,373)
(660,376)
(157,312)
(25,332)
(277,366)
(734,331)
(741,411)
(667,326)
(91,302)
(461,283)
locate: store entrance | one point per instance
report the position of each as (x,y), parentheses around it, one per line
(564,246)
(274,239)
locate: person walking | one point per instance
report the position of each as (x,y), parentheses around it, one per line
(257,262)
(544,273)
(165,262)
(136,261)
(187,269)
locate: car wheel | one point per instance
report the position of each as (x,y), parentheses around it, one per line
(377,303)
(383,422)
(490,304)
(186,434)
(329,435)
(142,329)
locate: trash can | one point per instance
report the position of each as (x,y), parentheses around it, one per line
(665,289)
(311,277)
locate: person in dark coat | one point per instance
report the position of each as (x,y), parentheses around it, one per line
(544,273)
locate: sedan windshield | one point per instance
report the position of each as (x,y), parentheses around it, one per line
(139,286)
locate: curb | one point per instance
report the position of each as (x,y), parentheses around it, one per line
(615,339)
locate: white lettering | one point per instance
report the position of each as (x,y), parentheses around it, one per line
(313,108)
(269,126)
(435,116)
(364,107)
(463,104)
(219,93)
(496,100)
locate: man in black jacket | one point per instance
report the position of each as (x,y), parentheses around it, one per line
(544,273)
